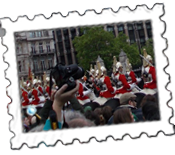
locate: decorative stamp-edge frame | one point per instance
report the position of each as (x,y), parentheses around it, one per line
(94,146)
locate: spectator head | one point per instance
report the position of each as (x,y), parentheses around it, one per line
(150,111)
(70,114)
(128,99)
(148,98)
(123,115)
(107,112)
(80,122)
(91,115)
(98,111)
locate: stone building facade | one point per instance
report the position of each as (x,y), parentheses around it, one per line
(42,49)
(35,49)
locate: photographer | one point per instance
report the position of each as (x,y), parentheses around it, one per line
(60,98)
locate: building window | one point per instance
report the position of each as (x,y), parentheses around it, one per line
(42,65)
(50,63)
(41,47)
(19,66)
(67,44)
(60,45)
(130,27)
(18,48)
(121,28)
(73,33)
(35,65)
(38,33)
(66,34)
(45,33)
(32,34)
(48,46)
(148,28)
(33,48)
(69,56)
(110,29)
(139,26)
(24,65)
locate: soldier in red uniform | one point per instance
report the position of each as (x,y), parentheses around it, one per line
(40,88)
(25,101)
(122,83)
(83,92)
(108,91)
(131,75)
(47,88)
(35,93)
(151,74)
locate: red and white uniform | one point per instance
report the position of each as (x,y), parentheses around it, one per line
(81,93)
(151,74)
(125,87)
(25,98)
(48,90)
(36,99)
(132,77)
(110,91)
(40,90)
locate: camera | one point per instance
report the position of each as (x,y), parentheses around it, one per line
(66,75)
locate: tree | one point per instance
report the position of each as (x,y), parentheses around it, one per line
(95,41)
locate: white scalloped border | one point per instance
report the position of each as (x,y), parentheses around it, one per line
(73,20)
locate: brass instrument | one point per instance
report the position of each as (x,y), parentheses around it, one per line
(127,65)
(91,67)
(114,64)
(99,69)
(44,79)
(145,54)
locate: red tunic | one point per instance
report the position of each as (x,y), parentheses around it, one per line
(40,89)
(25,98)
(125,86)
(133,78)
(36,98)
(152,84)
(109,92)
(48,90)
(80,93)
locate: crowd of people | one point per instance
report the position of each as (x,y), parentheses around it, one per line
(97,100)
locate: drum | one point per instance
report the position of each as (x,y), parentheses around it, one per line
(100,100)
(148,91)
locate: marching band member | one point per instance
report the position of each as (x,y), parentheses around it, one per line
(122,82)
(25,101)
(109,91)
(131,75)
(83,92)
(47,88)
(35,94)
(40,88)
(150,74)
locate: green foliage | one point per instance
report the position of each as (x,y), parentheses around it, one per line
(96,41)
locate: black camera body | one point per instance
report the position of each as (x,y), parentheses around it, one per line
(66,75)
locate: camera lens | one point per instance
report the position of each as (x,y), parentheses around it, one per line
(79,74)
